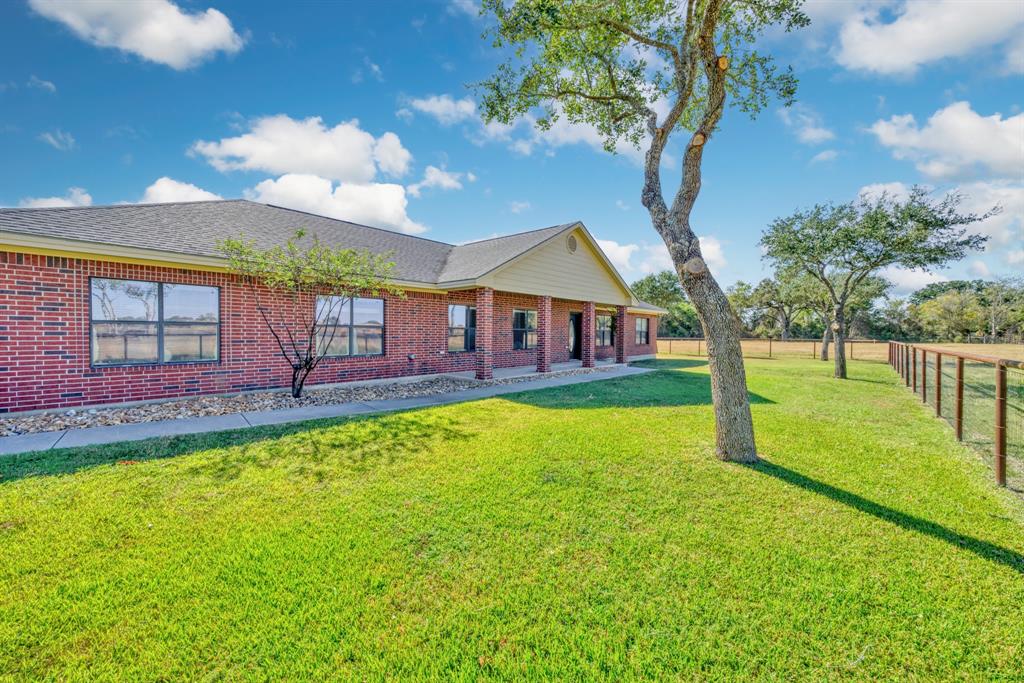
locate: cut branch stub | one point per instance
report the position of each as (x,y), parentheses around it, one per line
(723,63)
(695,266)
(697,140)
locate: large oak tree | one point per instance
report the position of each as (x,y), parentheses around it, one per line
(641,72)
(843,245)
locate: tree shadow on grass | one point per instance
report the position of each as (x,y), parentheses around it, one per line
(671,384)
(313,448)
(983,549)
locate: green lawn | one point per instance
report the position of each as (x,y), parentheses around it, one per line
(575,533)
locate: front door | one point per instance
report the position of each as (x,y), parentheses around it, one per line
(576,335)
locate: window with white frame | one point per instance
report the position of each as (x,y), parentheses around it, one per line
(605,335)
(643,332)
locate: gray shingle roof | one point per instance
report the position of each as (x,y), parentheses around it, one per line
(195,229)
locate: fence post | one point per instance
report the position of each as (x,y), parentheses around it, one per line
(698,348)
(906,363)
(769,347)
(938,385)
(851,349)
(959,420)
(670,347)
(1000,460)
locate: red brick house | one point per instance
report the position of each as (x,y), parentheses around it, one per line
(125,303)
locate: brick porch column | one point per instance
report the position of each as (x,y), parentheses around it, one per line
(484,333)
(620,334)
(589,331)
(544,337)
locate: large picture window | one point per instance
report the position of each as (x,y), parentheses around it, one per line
(136,322)
(350,327)
(461,328)
(643,332)
(605,331)
(524,329)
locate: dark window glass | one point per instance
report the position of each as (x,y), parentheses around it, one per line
(524,329)
(153,322)
(347,327)
(461,328)
(643,336)
(605,330)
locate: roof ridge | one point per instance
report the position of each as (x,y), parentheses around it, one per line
(124,205)
(517,234)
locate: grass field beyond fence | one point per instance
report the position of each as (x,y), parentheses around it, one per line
(858,349)
(579,533)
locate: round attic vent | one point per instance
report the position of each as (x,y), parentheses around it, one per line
(570,243)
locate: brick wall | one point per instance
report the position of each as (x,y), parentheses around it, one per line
(44,338)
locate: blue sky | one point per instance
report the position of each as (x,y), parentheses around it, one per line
(361,110)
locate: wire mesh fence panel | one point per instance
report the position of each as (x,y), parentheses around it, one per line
(1015,428)
(948,379)
(979,406)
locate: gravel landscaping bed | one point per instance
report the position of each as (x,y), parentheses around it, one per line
(200,406)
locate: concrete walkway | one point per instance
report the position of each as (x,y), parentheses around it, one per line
(92,436)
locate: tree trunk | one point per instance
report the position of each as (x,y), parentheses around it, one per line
(825,336)
(734,427)
(784,323)
(299,375)
(839,336)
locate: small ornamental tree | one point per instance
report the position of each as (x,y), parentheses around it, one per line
(300,289)
(641,73)
(842,245)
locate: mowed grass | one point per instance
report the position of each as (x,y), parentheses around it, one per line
(586,532)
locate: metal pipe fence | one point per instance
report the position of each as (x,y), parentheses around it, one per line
(981,397)
(757,347)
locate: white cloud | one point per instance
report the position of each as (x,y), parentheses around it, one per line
(907,280)
(390,156)
(1015,56)
(156,30)
(979,269)
(169,190)
(466,7)
(1005,228)
(956,141)
(518,207)
(619,254)
(1015,257)
(76,196)
(40,84)
(280,144)
(824,155)
(621,205)
(654,258)
(405,114)
(444,108)
(59,140)
(806,124)
(370,67)
(439,178)
(922,32)
(377,204)
(895,190)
